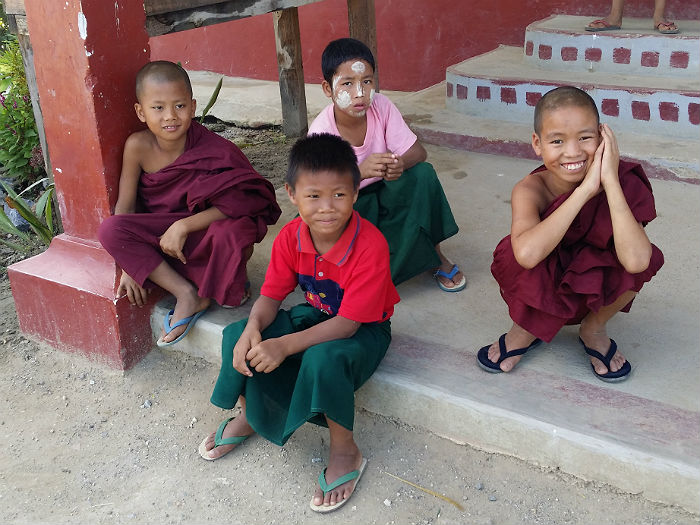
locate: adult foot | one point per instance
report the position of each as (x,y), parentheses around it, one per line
(339,463)
(599,340)
(604,24)
(666,27)
(237,427)
(516,338)
(187,305)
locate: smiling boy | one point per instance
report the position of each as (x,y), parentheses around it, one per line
(287,367)
(190,206)
(577,252)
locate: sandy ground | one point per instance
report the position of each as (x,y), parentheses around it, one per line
(85,444)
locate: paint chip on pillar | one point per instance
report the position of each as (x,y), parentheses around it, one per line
(82,25)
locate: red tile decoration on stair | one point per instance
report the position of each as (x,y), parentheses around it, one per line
(650,59)
(668,111)
(569,54)
(610,107)
(640,110)
(461,92)
(694,113)
(622,55)
(483,92)
(680,59)
(545,52)
(594,54)
(529,47)
(532,98)
(508,95)
(449,89)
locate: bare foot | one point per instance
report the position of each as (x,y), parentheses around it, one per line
(186,306)
(446,266)
(340,463)
(665,26)
(236,427)
(605,22)
(516,337)
(598,339)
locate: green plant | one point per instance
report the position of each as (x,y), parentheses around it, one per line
(19,139)
(39,216)
(212,99)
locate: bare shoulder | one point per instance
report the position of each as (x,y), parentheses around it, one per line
(531,190)
(138,145)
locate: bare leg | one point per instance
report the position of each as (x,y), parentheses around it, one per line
(594,334)
(517,337)
(660,21)
(615,16)
(188,302)
(446,266)
(237,427)
(344,457)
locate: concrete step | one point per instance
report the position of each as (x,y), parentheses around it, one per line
(561,43)
(502,85)
(667,158)
(642,436)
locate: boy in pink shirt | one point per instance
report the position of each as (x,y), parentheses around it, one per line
(399,192)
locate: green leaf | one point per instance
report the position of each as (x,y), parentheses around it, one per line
(19,204)
(212,99)
(16,247)
(7,226)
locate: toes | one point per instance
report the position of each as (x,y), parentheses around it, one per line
(318,497)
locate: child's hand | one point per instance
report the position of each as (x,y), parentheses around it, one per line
(134,291)
(375,165)
(247,340)
(172,241)
(395,168)
(267,355)
(591,182)
(611,158)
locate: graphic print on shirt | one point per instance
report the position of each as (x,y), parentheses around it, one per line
(324,295)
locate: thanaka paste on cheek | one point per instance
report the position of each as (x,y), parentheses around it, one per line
(343,99)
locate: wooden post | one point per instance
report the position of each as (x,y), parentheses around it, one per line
(291,72)
(363,27)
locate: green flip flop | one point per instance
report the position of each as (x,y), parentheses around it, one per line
(219,441)
(327,487)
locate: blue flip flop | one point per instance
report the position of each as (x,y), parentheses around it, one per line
(608,377)
(461,285)
(482,356)
(189,321)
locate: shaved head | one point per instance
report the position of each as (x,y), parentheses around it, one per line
(162,71)
(561,97)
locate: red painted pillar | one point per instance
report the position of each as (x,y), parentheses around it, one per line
(86,55)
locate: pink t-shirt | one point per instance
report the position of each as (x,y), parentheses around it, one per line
(386,131)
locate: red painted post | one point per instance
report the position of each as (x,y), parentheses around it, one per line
(86,54)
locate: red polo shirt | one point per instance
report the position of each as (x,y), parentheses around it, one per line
(352,279)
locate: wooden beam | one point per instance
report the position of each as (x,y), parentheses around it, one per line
(14,7)
(363,27)
(189,14)
(291,72)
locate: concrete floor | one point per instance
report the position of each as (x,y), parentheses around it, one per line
(642,435)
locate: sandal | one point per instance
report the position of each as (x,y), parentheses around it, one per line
(672,29)
(482,356)
(219,441)
(608,377)
(327,487)
(458,287)
(606,26)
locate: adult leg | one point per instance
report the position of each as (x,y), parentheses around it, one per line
(594,335)
(236,427)
(344,457)
(660,22)
(517,337)
(613,19)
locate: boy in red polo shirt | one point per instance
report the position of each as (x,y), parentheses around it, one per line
(304,364)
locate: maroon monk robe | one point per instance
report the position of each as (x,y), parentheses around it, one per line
(583,273)
(212,171)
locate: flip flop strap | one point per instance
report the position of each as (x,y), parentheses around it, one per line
(166,322)
(506,354)
(235,440)
(450,275)
(325,487)
(604,358)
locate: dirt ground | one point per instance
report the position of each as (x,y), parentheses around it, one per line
(85,444)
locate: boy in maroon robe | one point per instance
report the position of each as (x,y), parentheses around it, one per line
(190,206)
(577,252)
